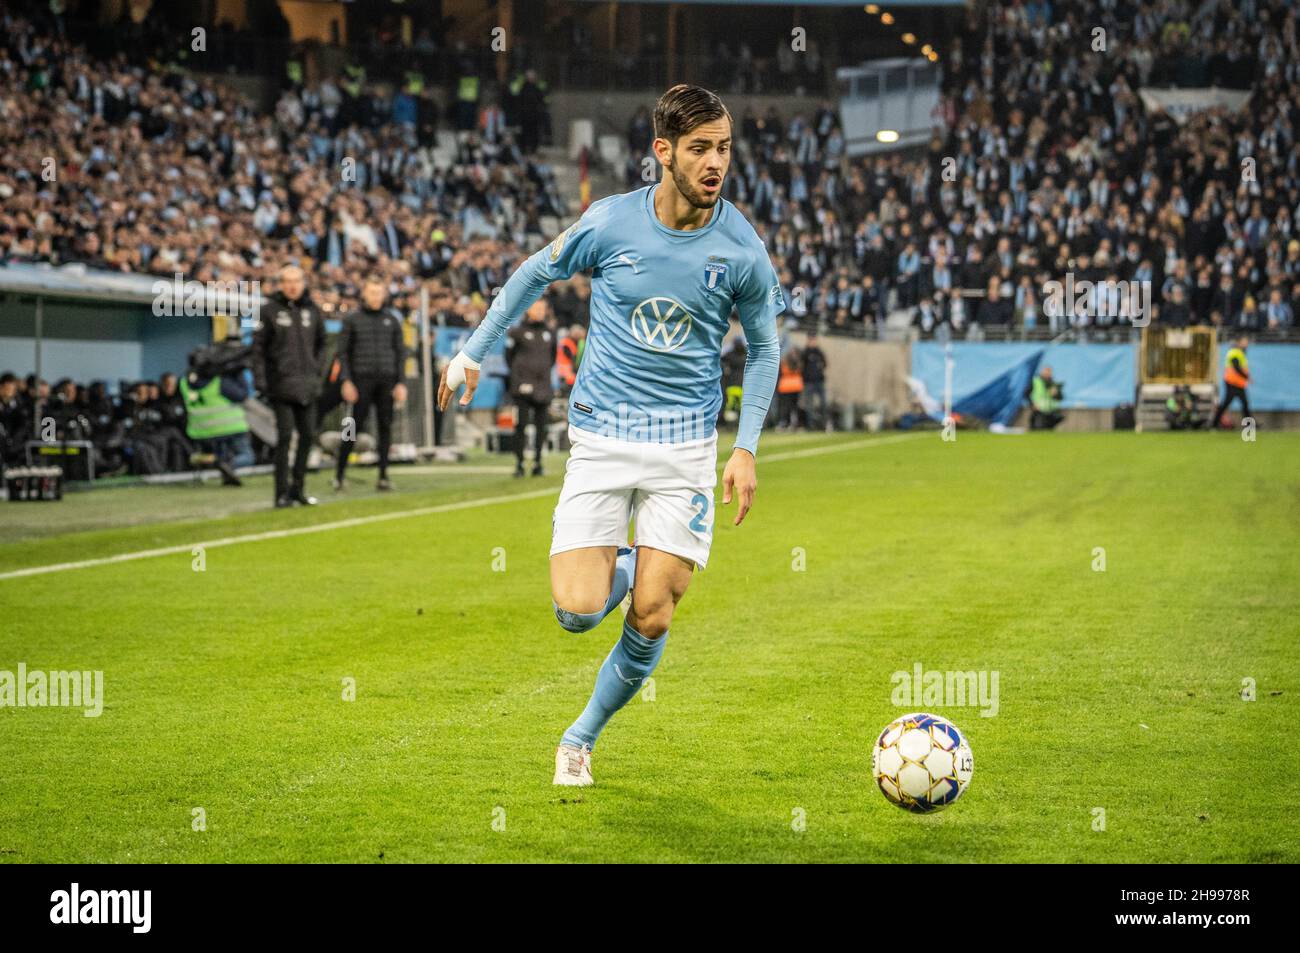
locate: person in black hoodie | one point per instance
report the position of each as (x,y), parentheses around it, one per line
(372,358)
(288,369)
(814,383)
(530,356)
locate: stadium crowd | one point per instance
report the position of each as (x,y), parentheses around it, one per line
(1051,165)
(125,168)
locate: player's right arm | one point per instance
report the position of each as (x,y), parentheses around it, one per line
(573,249)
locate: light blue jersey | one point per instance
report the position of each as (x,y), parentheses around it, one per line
(661,303)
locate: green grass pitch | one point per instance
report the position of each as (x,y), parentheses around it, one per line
(1119,690)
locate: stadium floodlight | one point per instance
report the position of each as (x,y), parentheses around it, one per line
(888,103)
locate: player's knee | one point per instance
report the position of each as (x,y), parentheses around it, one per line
(577,621)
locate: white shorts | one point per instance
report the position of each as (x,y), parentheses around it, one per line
(665,488)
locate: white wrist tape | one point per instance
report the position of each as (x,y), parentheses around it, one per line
(456,371)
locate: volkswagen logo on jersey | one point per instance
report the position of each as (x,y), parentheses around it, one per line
(661,324)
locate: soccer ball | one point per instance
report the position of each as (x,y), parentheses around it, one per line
(922,763)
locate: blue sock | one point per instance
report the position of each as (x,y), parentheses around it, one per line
(624,573)
(626,667)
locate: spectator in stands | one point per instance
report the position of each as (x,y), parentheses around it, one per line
(531,106)
(995,309)
(1248,318)
(952,308)
(1176,313)
(928,316)
(1277,313)
(1045,397)
(866,305)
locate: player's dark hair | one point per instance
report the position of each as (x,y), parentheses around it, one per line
(684,107)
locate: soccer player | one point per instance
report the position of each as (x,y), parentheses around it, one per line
(669,263)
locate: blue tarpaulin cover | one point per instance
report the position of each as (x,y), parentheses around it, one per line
(990,379)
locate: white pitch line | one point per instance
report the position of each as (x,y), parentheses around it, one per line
(836,447)
(188,548)
(450,469)
(278,533)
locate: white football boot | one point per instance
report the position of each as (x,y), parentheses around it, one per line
(573,766)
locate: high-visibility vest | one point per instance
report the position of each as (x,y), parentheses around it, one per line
(1041,396)
(293,70)
(1231,376)
(209,414)
(566,360)
(467,89)
(790,381)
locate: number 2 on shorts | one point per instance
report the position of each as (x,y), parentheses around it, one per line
(697,524)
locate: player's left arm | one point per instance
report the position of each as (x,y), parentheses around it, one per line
(759,302)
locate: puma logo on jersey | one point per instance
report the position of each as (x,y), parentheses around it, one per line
(629,260)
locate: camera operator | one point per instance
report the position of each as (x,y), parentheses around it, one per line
(1180,410)
(1045,395)
(288,368)
(371,356)
(213,392)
